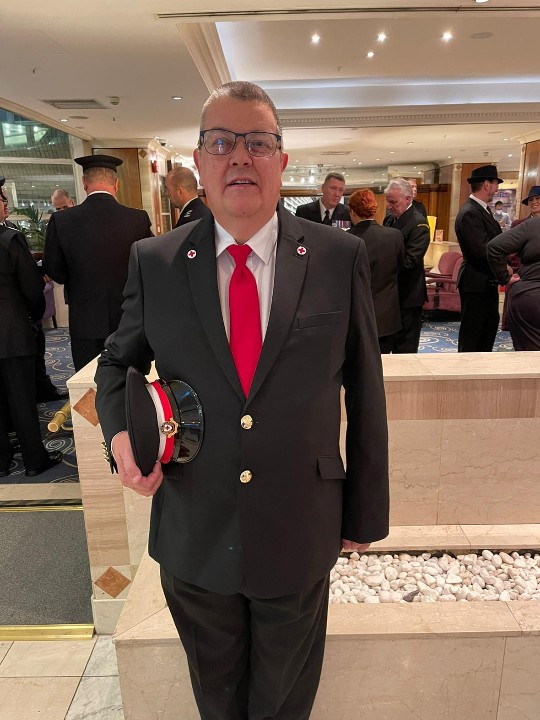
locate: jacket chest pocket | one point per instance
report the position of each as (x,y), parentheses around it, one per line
(318,320)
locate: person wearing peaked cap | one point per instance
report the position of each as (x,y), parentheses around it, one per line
(265,316)
(478,289)
(87,250)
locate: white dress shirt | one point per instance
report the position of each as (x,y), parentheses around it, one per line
(261,262)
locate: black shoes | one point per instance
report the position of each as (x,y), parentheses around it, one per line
(53,458)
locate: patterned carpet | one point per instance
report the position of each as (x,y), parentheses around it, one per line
(59,368)
(442,337)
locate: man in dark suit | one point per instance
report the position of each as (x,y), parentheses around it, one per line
(417,205)
(181,188)
(87,249)
(328,210)
(60,200)
(22,302)
(267,346)
(386,252)
(411,280)
(478,289)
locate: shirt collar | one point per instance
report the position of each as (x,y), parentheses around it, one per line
(262,243)
(184,206)
(480,202)
(101,192)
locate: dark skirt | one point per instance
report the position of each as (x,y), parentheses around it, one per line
(524,315)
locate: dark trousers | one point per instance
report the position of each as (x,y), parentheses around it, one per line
(44,384)
(85,349)
(386,343)
(251,659)
(479,320)
(408,338)
(18,410)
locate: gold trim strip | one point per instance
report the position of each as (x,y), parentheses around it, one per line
(42,508)
(45,632)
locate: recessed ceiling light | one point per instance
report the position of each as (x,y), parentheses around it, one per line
(315,38)
(176,97)
(447,36)
(481,1)
(414,167)
(360,162)
(63,120)
(377,158)
(392,152)
(370,54)
(291,179)
(510,155)
(449,157)
(411,142)
(381,37)
(506,139)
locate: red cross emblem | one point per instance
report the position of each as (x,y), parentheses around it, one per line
(301,250)
(191,254)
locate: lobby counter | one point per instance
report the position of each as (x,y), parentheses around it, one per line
(464,451)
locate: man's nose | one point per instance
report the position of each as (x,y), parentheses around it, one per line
(240,154)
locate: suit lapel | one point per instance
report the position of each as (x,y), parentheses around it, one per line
(288,281)
(202,274)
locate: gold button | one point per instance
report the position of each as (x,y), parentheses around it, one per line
(246,476)
(246,422)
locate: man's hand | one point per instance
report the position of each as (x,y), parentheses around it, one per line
(350,546)
(129,473)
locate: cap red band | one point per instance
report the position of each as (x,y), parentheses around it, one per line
(168,414)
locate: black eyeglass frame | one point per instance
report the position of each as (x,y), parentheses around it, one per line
(202,133)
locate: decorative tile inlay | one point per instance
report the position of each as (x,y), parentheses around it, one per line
(142,153)
(86,407)
(112,582)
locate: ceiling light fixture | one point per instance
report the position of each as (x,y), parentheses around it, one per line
(370,54)
(63,119)
(510,155)
(481,1)
(176,97)
(315,38)
(381,37)
(360,162)
(447,36)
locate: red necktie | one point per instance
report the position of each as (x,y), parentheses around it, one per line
(245,317)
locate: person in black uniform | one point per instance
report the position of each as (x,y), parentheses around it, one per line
(22,301)
(87,249)
(181,189)
(417,205)
(478,289)
(411,281)
(328,210)
(386,252)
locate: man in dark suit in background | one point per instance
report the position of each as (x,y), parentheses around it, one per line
(417,205)
(411,280)
(478,289)
(60,200)
(87,249)
(266,316)
(181,188)
(328,210)
(22,302)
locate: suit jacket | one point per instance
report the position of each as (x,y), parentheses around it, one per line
(87,249)
(207,528)
(411,280)
(21,295)
(386,252)
(420,207)
(312,211)
(475,227)
(194,210)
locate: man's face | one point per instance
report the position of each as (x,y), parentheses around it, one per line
(414,189)
(61,202)
(332,192)
(3,208)
(239,186)
(174,193)
(397,202)
(534,205)
(491,188)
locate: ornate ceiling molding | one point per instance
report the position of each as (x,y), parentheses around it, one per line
(202,41)
(395,117)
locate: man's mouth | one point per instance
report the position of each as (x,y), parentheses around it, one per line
(242,181)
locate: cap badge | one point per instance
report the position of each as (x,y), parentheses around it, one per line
(191,254)
(301,250)
(169,427)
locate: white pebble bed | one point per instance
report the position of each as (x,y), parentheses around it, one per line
(402,577)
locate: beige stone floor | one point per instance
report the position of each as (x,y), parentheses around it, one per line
(59,680)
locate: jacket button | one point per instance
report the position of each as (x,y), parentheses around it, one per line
(246,476)
(246,422)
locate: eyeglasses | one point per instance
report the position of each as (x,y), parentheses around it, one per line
(223,142)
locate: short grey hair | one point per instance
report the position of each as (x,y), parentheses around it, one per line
(399,184)
(60,192)
(244,92)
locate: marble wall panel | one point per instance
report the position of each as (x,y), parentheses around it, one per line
(435,679)
(490,472)
(520,686)
(137,510)
(415,456)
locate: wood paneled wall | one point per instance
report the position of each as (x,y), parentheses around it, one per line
(129,192)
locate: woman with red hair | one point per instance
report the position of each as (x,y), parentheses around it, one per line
(385,249)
